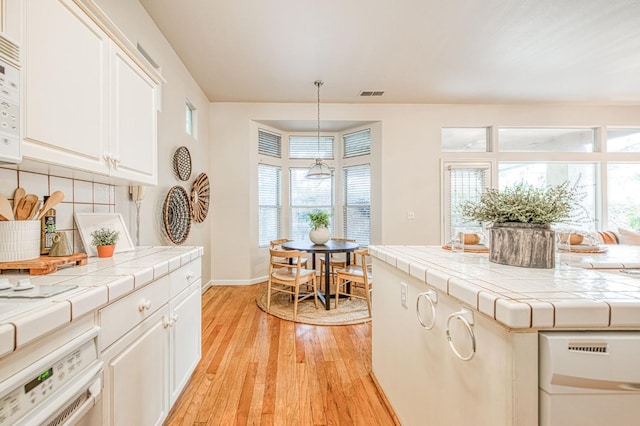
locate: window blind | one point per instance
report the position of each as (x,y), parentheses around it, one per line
(306,147)
(269,144)
(307,195)
(269,204)
(357,143)
(462,182)
(357,203)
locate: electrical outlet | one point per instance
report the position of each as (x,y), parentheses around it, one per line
(403,294)
(411,215)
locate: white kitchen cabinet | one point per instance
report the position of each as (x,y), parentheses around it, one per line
(136,375)
(151,343)
(185,338)
(89,104)
(66,76)
(426,382)
(133,149)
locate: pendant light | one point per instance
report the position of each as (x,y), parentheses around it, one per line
(319,170)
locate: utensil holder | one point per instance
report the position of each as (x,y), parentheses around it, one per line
(19,240)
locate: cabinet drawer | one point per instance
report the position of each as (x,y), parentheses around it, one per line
(183,277)
(121,316)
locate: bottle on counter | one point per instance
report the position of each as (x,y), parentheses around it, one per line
(48,229)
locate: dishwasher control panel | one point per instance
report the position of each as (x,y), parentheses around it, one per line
(40,383)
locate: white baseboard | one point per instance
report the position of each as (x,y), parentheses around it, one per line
(237,282)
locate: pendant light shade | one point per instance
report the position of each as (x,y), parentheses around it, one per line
(319,170)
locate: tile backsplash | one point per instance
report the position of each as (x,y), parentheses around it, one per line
(79,196)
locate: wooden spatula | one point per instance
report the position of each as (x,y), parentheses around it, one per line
(52,201)
(5,208)
(17,196)
(25,207)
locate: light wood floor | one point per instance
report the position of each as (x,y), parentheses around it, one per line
(257,369)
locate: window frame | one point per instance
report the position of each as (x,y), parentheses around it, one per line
(447,210)
(277,206)
(191,118)
(293,207)
(346,206)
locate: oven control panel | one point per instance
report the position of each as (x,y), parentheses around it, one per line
(9,113)
(39,384)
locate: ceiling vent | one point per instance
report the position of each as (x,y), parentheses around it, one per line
(371,93)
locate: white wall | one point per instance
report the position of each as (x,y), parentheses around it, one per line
(409,172)
(136,24)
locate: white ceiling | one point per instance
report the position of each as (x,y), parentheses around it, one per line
(416,51)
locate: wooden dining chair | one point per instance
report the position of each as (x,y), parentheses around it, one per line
(288,277)
(359,275)
(336,260)
(277,245)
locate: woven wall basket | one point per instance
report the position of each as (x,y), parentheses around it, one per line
(176,214)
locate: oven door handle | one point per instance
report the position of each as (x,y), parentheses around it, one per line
(93,395)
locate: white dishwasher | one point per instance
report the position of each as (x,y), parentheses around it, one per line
(589,378)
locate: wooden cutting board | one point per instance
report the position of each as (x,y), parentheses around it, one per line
(45,264)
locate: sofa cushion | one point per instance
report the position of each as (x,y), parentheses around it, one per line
(608,237)
(628,237)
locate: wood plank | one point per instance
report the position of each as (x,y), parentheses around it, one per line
(257,369)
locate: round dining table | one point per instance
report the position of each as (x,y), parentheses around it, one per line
(327,248)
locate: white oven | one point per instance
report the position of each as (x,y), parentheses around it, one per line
(52,383)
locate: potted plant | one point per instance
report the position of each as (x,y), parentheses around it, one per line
(520,219)
(104,239)
(319,222)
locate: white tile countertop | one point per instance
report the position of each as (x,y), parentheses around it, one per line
(582,291)
(97,283)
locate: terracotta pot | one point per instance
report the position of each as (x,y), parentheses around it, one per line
(105,251)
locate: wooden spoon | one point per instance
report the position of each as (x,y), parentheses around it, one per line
(5,208)
(17,196)
(52,201)
(34,210)
(25,207)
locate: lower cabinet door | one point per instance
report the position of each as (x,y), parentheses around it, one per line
(186,315)
(136,374)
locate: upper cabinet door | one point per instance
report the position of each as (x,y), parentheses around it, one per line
(66,69)
(133,120)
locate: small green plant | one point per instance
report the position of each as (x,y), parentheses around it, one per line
(525,203)
(104,237)
(318,219)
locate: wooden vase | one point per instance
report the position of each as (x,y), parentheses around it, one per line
(522,244)
(105,251)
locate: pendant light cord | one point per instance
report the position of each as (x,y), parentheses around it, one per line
(318,83)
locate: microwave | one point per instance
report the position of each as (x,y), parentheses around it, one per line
(10,151)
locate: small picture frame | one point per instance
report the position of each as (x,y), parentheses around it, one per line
(89,222)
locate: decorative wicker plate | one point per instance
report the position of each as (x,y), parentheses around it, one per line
(582,248)
(182,163)
(176,214)
(200,198)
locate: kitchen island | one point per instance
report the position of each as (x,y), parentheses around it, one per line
(455,338)
(114,342)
